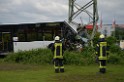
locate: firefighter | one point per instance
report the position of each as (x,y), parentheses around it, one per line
(102,53)
(58,50)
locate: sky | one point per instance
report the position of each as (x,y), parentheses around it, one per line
(32,11)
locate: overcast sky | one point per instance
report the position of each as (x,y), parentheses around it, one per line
(32,11)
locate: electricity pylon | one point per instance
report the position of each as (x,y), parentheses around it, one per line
(75,9)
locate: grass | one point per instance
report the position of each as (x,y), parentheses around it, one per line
(45,73)
(36,66)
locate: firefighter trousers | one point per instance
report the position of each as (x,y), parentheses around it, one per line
(58,65)
(102,66)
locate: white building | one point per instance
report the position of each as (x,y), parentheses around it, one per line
(106,29)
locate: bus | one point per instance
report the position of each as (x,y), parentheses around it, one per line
(16,37)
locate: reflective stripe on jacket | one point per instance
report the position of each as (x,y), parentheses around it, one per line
(58,51)
(102,51)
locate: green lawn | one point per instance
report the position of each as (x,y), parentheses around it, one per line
(45,73)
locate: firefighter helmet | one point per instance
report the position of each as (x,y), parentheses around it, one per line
(57,38)
(102,36)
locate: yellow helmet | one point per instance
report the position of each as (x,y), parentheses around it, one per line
(102,36)
(57,38)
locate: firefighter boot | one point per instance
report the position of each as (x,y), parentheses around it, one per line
(102,70)
(61,70)
(56,70)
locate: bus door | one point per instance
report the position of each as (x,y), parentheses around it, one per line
(5,42)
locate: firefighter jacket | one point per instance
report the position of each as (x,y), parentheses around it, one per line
(102,50)
(58,50)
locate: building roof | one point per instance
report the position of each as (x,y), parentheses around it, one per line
(90,27)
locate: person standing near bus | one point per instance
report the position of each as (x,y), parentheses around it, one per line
(58,49)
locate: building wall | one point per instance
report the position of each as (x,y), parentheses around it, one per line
(106,29)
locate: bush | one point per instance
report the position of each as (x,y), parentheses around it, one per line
(86,57)
(37,56)
(111,40)
(116,55)
(45,56)
(114,59)
(114,49)
(73,58)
